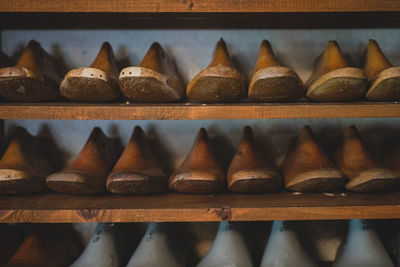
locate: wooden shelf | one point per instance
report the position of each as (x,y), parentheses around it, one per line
(78,14)
(198,6)
(69,111)
(57,208)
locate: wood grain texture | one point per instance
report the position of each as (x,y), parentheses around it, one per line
(57,208)
(198,6)
(186,111)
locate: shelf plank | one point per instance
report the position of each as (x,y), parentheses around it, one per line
(173,207)
(185,111)
(198,6)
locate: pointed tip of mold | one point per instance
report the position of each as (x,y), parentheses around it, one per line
(306,133)
(351,131)
(247,134)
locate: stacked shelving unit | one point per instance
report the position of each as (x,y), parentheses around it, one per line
(30,14)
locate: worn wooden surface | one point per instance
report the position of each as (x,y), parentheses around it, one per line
(197,6)
(185,111)
(184,207)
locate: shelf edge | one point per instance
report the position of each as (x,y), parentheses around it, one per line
(200,214)
(198,112)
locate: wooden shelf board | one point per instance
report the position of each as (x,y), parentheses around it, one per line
(59,208)
(69,111)
(198,6)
